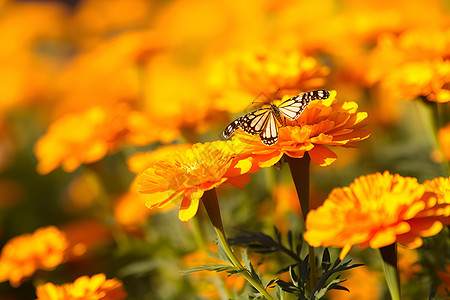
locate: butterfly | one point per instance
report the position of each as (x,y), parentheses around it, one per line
(265,121)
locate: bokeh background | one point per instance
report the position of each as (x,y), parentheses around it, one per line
(85,86)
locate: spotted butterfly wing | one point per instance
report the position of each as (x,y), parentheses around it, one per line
(293,107)
(264,121)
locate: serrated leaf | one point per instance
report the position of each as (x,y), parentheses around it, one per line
(290,240)
(245,258)
(277,234)
(340,287)
(304,269)
(216,268)
(326,260)
(222,255)
(293,275)
(320,293)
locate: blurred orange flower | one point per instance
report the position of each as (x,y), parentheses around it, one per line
(96,287)
(80,138)
(376,210)
(26,72)
(247,74)
(444,277)
(182,177)
(23,255)
(363,283)
(408,263)
(323,123)
(141,161)
(444,140)
(87,137)
(413,64)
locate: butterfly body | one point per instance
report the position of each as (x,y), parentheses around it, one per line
(265,121)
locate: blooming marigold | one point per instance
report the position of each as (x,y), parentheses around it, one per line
(264,71)
(444,140)
(87,137)
(413,64)
(97,287)
(376,210)
(182,177)
(23,255)
(323,123)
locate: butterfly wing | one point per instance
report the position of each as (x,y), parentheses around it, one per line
(255,122)
(269,135)
(293,107)
(231,128)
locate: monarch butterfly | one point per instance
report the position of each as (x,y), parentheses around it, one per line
(264,120)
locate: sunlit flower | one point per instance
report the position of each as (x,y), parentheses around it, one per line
(362,283)
(323,123)
(117,16)
(444,140)
(141,161)
(183,176)
(80,138)
(441,203)
(27,73)
(87,137)
(96,287)
(44,249)
(407,263)
(245,75)
(413,64)
(376,210)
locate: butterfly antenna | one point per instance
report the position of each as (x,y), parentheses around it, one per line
(275,95)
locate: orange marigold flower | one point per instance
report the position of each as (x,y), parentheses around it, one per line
(96,288)
(141,161)
(376,210)
(444,140)
(413,64)
(182,177)
(408,263)
(362,282)
(23,255)
(264,71)
(323,123)
(87,137)
(80,138)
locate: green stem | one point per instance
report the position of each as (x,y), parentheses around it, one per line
(300,174)
(389,257)
(211,204)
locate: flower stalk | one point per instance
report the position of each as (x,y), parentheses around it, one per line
(390,268)
(211,204)
(300,174)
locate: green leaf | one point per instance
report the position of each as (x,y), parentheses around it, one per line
(280,293)
(319,294)
(216,268)
(326,261)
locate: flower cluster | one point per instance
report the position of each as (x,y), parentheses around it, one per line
(44,249)
(380,209)
(95,287)
(413,64)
